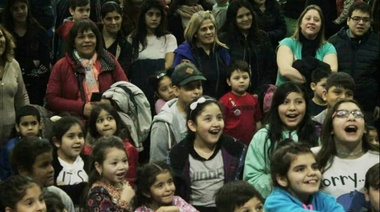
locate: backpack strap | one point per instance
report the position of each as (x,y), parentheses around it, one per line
(170,142)
(131,95)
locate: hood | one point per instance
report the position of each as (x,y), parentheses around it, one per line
(185,50)
(166,113)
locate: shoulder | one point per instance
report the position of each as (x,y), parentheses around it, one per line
(289,41)
(232,145)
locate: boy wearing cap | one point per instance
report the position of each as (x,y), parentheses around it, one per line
(169,126)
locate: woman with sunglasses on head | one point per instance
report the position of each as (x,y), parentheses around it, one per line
(346,154)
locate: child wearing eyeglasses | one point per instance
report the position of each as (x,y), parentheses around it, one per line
(345,154)
(163,88)
(206,159)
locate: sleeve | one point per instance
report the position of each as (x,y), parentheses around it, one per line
(328,48)
(171,43)
(343,16)
(133,158)
(270,64)
(99,200)
(21,97)
(159,138)
(183,205)
(118,72)
(177,59)
(279,30)
(280,203)
(330,203)
(5,169)
(256,170)
(258,114)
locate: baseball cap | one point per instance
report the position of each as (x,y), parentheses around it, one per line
(185,73)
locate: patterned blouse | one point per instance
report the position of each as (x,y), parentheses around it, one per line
(177,201)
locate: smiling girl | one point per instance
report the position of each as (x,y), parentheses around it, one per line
(206,159)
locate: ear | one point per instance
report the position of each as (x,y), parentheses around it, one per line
(176,90)
(98,168)
(312,86)
(282,181)
(23,172)
(56,142)
(192,126)
(324,95)
(41,125)
(71,11)
(228,82)
(17,128)
(366,194)
(8,209)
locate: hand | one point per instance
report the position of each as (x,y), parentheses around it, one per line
(168,209)
(87,109)
(127,193)
(36,63)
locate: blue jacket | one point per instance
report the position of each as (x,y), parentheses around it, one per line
(5,166)
(281,200)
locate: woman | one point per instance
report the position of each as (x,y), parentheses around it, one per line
(247,42)
(287,119)
(32,48)
(113,37)
(13,94)
(308,41)
(85,70)
(270,19)
(206,52)
(152,46)
(346,154)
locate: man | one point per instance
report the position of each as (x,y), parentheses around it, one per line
(358,55)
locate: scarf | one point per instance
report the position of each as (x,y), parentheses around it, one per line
(186,12)
(309,47)
(90,82)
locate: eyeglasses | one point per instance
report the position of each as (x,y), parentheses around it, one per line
(346,113)
(357,19)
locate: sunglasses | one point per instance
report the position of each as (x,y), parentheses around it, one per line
(346,113)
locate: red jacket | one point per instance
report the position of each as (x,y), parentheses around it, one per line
(63,92)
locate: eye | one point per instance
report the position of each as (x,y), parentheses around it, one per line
(100,120)
(300,169)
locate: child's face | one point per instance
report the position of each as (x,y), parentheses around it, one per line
(106,124)
(335,93)
(165,89)
(292,110)
(42,169)
(318,88)
(189,92)
(162,190)
(114,166)
(32,200)
(239,82)
(80,12)
(373,137)
(303,177)
(348,130)
(209,125)
(71,144)
(19,12)
(373,196)
(152,18)
(112,22)
(29,126)
(254,205)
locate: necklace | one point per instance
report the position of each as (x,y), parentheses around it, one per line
(351,154)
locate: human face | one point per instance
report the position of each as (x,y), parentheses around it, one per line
(2,43)
(349,130)
(71,144)
(208,125)
(303,177)
(19,12)
(42,169)
(80,12)
(335,93)
(114,166)
(244,19)
(292,110)
(85,44)
(373,137)
(29,126)
(152,19)
(206,33)
(318,88)
(188,92)
(311,24)
(112,22)
(106,124)
(32,201)
(239,82)
(165,89)
(252,205)
(162,190)
(373,196)
(359,27)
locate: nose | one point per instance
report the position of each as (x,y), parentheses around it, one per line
(292,106)
(41,206)
(51,168)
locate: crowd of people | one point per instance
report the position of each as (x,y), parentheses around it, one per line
(189,105)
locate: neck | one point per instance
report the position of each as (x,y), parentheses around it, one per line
(149,31)
(181,107)
(206,48)
(349,151)
(108,35)
(318,101)
(309,37)
(204,147)
(20,25)
(65,157)
(262,7)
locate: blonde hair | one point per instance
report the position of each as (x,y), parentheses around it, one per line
(194,25)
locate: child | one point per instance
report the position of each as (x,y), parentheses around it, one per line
(205,159)
(32,157)
(318,84)
(242,114)
(109,191)
(371,188)
(155,190)
(28,123)
(70,168)
(373,135)
(169,126)
(163,89)
(296,180)
(287,118)
(238,196)
(105,121)
(53,203)
(21,194)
